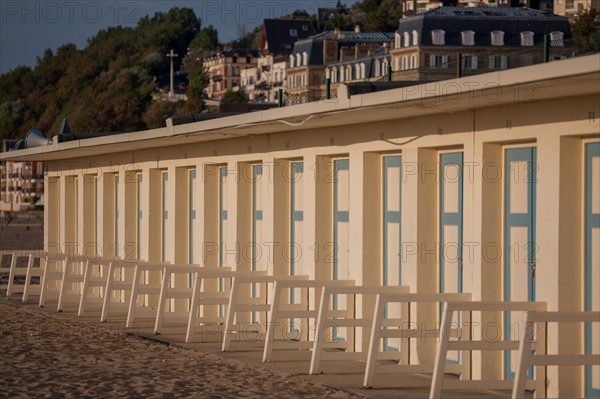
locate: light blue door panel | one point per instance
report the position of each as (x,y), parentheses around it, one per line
(592,262)
(520,176)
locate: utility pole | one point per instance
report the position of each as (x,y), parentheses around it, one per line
(172,56)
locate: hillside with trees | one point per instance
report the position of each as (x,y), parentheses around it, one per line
(108,85)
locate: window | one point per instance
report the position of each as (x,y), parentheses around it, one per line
(397,40)
(305,28)
(556,39)
(437,60)
(468,37)
(334,75)
(527,38)
(377,68)
(498,62)
(349,72)
(396,64)
(415,36)
(357,71)
(469,62)
(413,62)
(438,37)
(291,60)
(298,59)
(293,33)
(362,71)
(305,58)
(406,39)
(404,63)
(497,37)
(342,75)
(384,68)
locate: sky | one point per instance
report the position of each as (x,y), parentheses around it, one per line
(27,27)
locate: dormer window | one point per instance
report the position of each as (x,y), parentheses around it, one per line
(305,28)
(415,37)
(291,60)
(556,38)
(527,38)
(497,38)
(293,33)
(305,58)
(468,37)
(406,39)
(438,37)
(397,40)
(298,60)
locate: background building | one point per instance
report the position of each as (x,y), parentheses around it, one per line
(21,183)
(488,38)
(263,82)
(310,57)
(573,8)
(224,69)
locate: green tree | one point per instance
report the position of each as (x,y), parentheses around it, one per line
(586,31)
(235,97)
(107,86)
(206,40)
(381,15)
(198,81)
(160,111)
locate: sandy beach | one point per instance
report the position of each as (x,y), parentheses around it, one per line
(48,356)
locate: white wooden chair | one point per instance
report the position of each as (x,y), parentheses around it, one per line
(6,261)
(119,283)
(285,309)
(169,293)
(8,268)
(380,331)
(210,297)
(142,285)
(94,282)
(327,321)
(467,344)
(34,272)
(262,284)
(15,272)
(532,349)
(52,276)
(72,280)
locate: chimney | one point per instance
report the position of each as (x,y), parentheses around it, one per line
(356,28)
(330,50)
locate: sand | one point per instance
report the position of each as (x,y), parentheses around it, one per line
(46,356)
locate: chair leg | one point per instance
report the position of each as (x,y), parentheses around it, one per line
(26,288)
(11,275)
